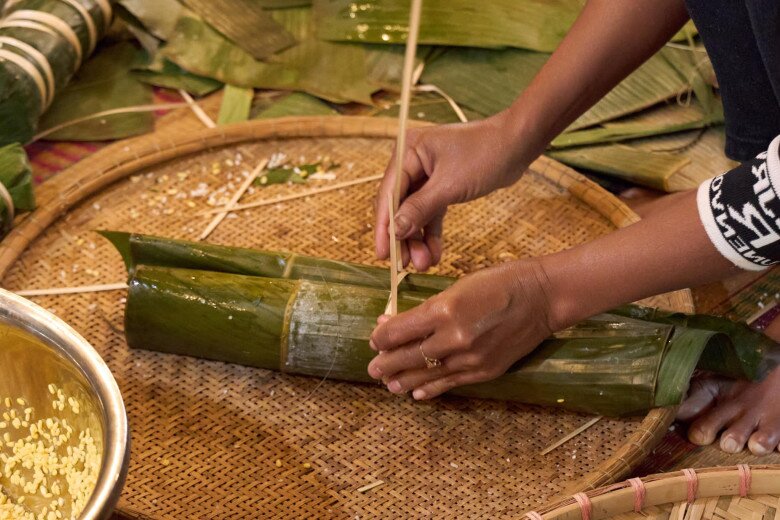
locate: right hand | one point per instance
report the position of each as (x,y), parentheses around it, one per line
(444,165)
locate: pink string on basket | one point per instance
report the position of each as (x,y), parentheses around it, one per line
(533,515)
(692,479)
(585,505)
(640,492)
(745,479)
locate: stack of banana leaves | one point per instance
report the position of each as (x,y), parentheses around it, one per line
(312,316)
(661,127)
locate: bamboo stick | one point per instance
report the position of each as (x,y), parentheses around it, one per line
(72,290)
(566,438)
(199,112)
(137,109)
(236,196)
(294,196)
(400,146)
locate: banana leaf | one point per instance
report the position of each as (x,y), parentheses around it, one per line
(488,81)
(16,176)
(296,104)
(316,321)
(246,24)
(103,83)
(159,17)
(236,104)
(673,162)
(652,169)
(668,119)
(428,106)
(26,86)
(335,72)
(530,24)
(163,73)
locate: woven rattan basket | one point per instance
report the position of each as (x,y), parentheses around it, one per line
(220,441)
(724,493)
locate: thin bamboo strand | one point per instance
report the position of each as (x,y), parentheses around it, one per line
(566,438)
(392,303)
(199,112)
(400,145)
(112,112)
(72,290)
(369,487)
(286,198)
(234,200)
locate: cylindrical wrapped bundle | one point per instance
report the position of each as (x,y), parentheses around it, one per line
(42,44)
(256,308)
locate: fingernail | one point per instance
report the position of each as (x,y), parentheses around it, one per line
(375,372)
(394,386)
(372,345)
(402,225)
(729,445)
(419,394)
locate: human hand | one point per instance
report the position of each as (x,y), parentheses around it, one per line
(477,329)
(445,165)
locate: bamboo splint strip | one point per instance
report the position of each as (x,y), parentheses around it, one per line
(400,148)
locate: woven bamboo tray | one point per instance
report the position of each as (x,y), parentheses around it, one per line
(722,493)
(223,441)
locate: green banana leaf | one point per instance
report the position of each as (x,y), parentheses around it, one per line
(236,104)
(530,24)
(668,119)
(652,169)
(316,321)
(296,104)
(428,106)
(488,81)
(22,100)
(672,162)
(246,24)
(158,16)
(103,83)
(16,176)
(332,71)
(163,73)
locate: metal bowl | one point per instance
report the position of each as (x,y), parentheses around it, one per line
(41,355)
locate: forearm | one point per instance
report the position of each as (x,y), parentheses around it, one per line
(667,251)
(607,42)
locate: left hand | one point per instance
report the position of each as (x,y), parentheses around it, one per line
(477,329)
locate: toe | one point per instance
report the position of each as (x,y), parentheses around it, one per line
(766,439)
(737,434)
(705,429)
(701,397)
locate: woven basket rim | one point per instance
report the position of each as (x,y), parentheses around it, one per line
(666,488)
(124,158)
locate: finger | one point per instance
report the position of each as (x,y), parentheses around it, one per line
(414,324)
(388,364)
(408,357)
(412,169)
(416,378)
(445,384)
(411,379)
(433,238)
(420,255)
(420,208)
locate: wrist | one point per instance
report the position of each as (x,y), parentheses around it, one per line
(569,297)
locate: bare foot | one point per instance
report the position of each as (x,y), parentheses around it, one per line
(746,413)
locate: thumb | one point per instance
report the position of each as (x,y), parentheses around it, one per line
(419,209)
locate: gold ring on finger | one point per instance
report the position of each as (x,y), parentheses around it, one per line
(429,361)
